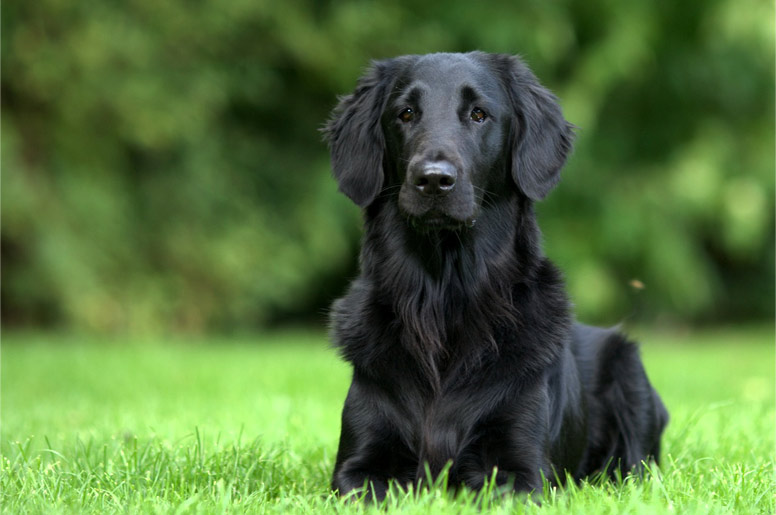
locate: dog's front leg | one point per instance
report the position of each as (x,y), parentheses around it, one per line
(494,427)
(371,451)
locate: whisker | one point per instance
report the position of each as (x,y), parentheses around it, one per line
(484,197)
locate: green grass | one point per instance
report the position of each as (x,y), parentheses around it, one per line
(251,425)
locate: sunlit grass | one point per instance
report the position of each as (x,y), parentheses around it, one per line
(251,424)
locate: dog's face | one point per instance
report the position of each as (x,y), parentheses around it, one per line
(442,133)
(445,123)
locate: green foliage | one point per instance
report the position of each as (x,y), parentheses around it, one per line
(163,168)
(228,425)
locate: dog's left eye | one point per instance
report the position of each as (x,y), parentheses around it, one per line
(478,115)
(407,115)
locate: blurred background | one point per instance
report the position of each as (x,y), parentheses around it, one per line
(162,168)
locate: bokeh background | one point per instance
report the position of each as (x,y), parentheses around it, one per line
(162,168)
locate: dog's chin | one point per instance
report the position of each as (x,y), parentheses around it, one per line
(434,221)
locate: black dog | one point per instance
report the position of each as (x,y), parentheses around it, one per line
(463,347)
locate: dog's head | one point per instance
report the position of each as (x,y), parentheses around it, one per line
(444,133)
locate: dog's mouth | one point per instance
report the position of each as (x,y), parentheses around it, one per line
(426,213)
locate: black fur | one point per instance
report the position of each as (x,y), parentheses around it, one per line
(458,327)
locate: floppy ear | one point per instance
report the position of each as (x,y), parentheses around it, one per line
(356,138)
(542,138)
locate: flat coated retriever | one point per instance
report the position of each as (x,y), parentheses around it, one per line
(465,353)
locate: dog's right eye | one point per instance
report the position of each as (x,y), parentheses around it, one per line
(478,115)
(407,115)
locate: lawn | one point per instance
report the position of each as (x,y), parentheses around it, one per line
(250,424)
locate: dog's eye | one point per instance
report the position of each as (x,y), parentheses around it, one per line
(407,115)
(478,115)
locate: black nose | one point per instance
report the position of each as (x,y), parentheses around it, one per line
(435,178)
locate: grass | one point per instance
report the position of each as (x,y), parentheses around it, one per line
(251,425)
